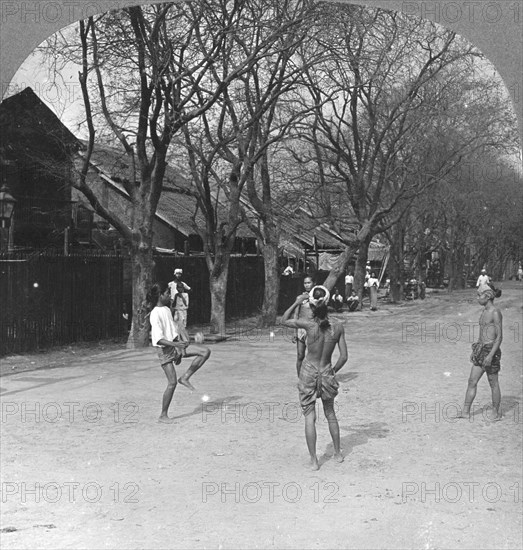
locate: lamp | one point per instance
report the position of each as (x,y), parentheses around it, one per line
(7,205)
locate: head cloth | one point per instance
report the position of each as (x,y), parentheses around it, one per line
(324,300)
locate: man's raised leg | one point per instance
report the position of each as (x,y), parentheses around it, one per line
(200,354)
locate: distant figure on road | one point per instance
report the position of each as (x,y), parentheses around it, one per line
(349,282)
(179,298)
(483,279)
(336,300)
(353,301)
(373,284)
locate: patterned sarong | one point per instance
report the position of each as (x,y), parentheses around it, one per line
(314,384)
(480,351)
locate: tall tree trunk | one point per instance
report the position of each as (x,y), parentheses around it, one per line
(142,270)
(341,265)
(218,284)
(456,264)
(396,264)
(272,285)
(359,270)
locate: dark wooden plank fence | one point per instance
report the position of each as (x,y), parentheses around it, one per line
(50,299)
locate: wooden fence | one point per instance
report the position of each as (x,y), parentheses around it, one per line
(49,299)
(245,285)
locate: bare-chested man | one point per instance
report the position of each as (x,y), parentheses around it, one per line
(317,375)
(486,352)
(303,311)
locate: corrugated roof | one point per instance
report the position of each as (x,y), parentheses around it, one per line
(176,207)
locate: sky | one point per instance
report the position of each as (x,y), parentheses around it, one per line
(63,93)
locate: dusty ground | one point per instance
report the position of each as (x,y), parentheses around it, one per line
(86,465)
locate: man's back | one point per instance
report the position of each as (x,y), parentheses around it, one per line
(321,342)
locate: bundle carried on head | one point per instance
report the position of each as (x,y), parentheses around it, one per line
(490,290)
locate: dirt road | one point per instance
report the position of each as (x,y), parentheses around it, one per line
(86,465)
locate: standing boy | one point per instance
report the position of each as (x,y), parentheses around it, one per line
(317,375)
(486,352)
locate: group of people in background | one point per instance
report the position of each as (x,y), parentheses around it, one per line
(370,287)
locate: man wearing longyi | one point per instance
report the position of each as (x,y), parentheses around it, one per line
(317,375)
(486,352)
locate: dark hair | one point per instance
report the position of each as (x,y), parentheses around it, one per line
(497,291)
(154,293)
(320,312)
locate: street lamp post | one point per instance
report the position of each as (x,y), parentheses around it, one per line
(7,205)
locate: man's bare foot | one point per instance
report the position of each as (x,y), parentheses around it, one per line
(184,382)
(314,464)
(338,457)
(496,418)
(165,420)
(464,415)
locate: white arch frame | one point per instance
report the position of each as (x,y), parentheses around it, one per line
(495,27)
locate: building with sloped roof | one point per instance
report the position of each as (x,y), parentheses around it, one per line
(36,152)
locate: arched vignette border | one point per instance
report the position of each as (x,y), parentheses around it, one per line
(495,27)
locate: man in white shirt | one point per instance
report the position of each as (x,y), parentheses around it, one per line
(179,298)
(349,282)
(373,285)
(167,338)
(483,279)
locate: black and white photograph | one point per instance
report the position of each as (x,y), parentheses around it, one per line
(261,275)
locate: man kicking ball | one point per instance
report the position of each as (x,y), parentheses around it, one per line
(317,375)
(165,335)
